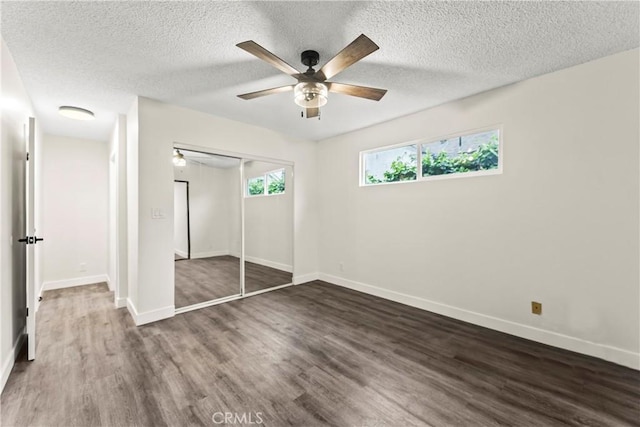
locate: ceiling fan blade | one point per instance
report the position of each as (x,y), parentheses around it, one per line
(354,52)
(313,112)
(262,53)
(265,92)
(359,91)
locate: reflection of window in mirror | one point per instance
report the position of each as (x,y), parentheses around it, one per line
(275,182)
(270,183)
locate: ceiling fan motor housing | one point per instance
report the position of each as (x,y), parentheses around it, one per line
(310,58)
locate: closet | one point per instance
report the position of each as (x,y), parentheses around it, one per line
(233,227)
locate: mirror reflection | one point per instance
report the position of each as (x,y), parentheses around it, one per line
(268,225)
(207,229)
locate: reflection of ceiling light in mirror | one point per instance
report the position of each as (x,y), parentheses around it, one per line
(178,159)
(310,95)
(76,113)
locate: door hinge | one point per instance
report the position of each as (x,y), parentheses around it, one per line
(27,157)
(27,311)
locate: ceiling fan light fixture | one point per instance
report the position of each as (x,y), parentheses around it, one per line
(310,95)
(178,159)
(76,113)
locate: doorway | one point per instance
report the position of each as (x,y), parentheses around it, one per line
(181,226)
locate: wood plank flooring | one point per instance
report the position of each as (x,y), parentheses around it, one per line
(306,355)
(205,279)
(258,277)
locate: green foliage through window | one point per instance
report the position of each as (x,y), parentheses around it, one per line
(275,182)
(270,183)
(393,165)
(469,153)
(485,157)
(256,186)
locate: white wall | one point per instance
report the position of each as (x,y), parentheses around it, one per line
(76,191)
(118,211)
(180,219)
(269,221)
(15,109)
(112,233)
(132,206)
(162,125)
(213,197)
(559,226)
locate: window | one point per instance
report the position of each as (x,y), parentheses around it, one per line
(462,154)
(255,186)
(275,182)
(471,154)
(267,184)
(391,165)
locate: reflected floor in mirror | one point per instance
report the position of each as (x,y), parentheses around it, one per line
(258,277)
(206,279)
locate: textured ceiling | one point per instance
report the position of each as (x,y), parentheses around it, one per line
(99,55)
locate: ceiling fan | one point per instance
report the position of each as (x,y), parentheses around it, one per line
(312,88)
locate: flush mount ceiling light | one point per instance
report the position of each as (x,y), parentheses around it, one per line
(76,113)
(178,159)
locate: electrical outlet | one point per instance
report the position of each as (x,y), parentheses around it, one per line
(536,307)
(341,265)
(83,266)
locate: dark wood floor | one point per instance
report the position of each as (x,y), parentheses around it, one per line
(205,279)
(258,277)
(306,355)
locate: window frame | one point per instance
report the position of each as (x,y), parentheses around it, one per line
(420,142)
(264,183)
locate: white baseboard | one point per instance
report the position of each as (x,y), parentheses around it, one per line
(602,351)
(271,264)
(150,316)
(181,253)
(120,302)
(304,278)
(10,361)
(209,254)
(77,281)
(109,283)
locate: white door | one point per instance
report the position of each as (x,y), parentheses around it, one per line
(31,240)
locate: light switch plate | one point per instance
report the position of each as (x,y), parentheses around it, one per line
(157,213)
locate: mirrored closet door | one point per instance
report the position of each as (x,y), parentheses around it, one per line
(268,225)
(207,227)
